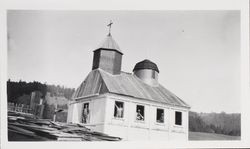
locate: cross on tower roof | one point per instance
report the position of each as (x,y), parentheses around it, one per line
(109,25)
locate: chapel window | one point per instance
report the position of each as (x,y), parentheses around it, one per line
(178,118)
(140,113)
(160,115)
(85,113)
(119,109)
(153,74)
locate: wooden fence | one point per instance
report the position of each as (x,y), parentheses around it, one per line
(37,109)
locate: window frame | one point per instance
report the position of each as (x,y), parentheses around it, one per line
(153,74)
(163,111)
(115,109)
(143,114)
(176,122)
(87,122)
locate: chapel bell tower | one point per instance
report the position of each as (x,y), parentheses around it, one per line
(108,56)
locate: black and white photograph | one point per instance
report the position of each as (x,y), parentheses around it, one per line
(124,75)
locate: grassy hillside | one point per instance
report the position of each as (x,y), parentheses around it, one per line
(210,136)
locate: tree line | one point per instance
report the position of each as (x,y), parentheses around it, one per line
(16,89)
(220,123)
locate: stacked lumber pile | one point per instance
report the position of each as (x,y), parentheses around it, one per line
(27,127)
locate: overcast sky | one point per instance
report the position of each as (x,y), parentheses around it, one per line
(197,52)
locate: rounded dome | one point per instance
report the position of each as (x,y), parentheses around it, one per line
(146,64)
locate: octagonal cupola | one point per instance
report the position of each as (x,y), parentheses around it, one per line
(108,56)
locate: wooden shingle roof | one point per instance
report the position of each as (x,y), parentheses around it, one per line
(109,44)
(127,84)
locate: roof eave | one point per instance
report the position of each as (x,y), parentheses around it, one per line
(107,49)
(187,106)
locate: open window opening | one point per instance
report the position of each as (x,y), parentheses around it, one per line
(160,115)
(140,113)
(178,118)
(118,109)
(85,113)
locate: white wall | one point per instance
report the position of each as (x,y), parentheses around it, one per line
(70,110)
(96,108)
(73,115)
(102,119)
(130,129)
(178,132)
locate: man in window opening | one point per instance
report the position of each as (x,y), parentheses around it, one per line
(139,115)
(85,113)
(119,111)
